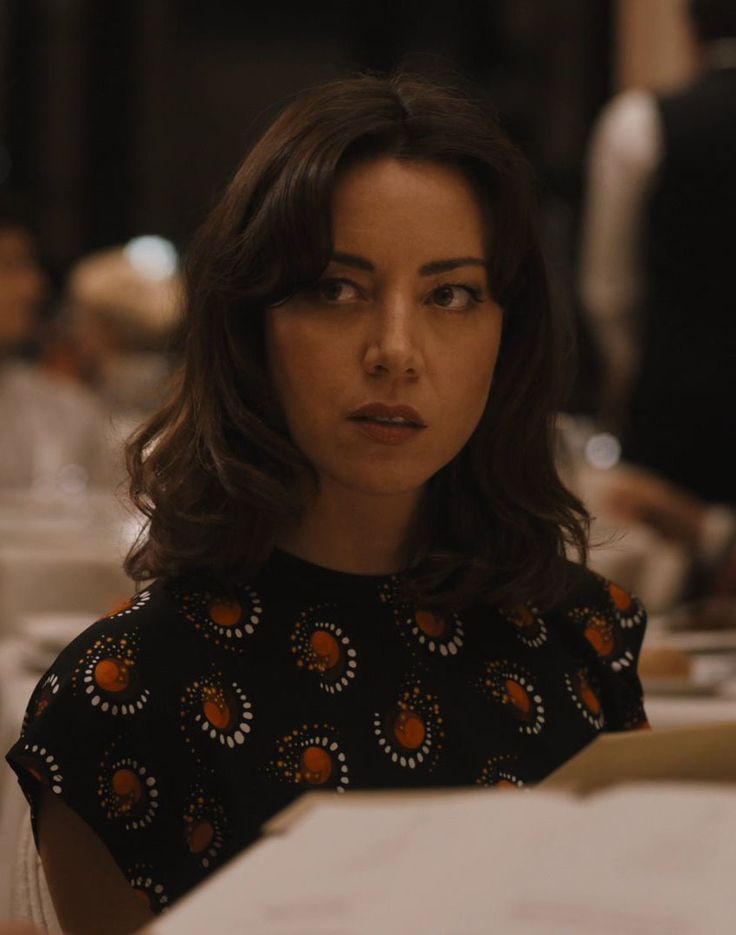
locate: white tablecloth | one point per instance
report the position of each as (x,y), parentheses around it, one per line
(58,556)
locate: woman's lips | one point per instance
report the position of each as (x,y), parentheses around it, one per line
(386,411)
(389,425)
(385,433)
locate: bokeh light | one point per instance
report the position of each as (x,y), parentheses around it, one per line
(151,256)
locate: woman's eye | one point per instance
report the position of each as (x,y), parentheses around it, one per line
(456,297)
(337,291)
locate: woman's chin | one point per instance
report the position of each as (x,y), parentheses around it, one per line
(374,481)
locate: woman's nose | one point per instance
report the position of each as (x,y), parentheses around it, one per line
(393,345)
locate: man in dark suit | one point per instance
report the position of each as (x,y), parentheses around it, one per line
(667,310)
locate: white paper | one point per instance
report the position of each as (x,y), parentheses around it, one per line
(640,860)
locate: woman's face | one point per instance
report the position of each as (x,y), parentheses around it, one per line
(402,317)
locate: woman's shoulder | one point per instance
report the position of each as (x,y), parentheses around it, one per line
(149,647)
(140,622)
(609,617)
(137,650)
(590,594)
(105,726)
(168,615)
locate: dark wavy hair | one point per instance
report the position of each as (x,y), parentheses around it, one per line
(215,472)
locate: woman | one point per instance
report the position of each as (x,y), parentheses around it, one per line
(359,545)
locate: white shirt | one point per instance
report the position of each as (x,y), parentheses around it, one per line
(625,151)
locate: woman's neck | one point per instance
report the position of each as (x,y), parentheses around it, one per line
(350,531)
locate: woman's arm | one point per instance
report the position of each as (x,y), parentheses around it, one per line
(89,891)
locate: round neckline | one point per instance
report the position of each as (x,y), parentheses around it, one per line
(285,564)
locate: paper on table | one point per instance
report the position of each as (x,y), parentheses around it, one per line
(644,859)
(341,865)
(706,753)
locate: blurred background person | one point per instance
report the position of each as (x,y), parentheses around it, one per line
(657,263)
(705,531)
(119,316)
(51,432)
(24,285)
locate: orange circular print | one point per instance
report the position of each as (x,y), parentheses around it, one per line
(325,649)
(409,730)
(322,647)
(585,697)
(626,609)
(215,712)
(205,827)
(112,675)
(145,885)
(621,599)
(590,699)
(108,674)
(216,708)
(200,835)
(311,756)
(411,733)
(500,772)
(42,765)
(604,634)
(315,765)
(226,620)
(225,613)
(127,788)
(443,634)
(599,633)
(439,634)
(41,699)
(518,696)
(129,606)
(513,687)
(431,624)
(528,624)
(128,792)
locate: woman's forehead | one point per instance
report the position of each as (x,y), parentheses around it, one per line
(412,206)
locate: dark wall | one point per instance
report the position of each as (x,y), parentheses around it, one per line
(124,117)
(128,118)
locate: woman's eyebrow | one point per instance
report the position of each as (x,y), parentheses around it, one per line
(444,266)
(352,259)
(428,269)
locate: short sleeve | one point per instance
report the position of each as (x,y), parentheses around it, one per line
(609,624)
(100,732)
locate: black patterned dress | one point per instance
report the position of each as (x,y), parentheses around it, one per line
(178,723)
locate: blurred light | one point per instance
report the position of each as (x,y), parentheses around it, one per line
(603,451)
(152,257)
